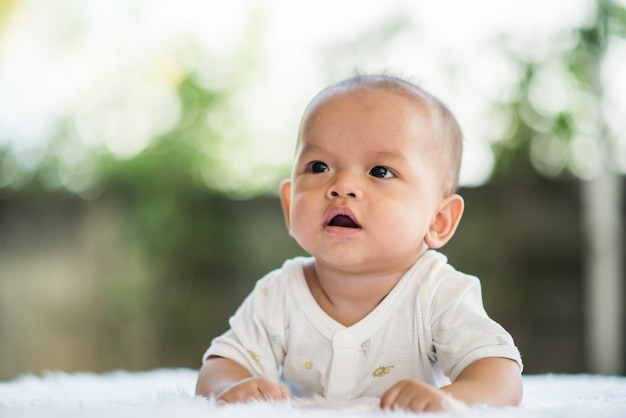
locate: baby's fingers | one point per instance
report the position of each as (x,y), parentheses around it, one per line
(253,389)
(395,397)
(270,391)
(413,396)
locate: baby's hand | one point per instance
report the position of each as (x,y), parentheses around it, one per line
(251,389)
(414,396)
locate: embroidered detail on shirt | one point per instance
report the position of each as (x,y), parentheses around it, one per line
(276,339)
(255,356)
(435,266)
(381,371)
(365,346)
(308,365)
(264,291)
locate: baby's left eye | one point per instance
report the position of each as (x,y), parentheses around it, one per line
(381,172)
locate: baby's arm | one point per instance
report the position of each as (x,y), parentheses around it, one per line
(494,381)
(228,381)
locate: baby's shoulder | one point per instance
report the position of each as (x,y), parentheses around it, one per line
(277,282)
(439,279)
(269,298)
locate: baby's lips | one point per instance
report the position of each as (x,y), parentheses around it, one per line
(340,211)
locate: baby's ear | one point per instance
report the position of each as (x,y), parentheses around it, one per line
(445,222)
(285,200)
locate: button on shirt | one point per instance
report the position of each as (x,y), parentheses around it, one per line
(429,327)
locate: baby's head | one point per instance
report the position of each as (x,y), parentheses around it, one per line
(373,183)
(446,135)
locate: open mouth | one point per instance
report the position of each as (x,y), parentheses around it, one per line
(341,217)
(343,221)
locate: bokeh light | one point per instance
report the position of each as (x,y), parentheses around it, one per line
(106,74)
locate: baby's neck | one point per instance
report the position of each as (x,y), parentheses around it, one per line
(347,297)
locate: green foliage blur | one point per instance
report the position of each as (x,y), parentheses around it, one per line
(200,251)
(204,249)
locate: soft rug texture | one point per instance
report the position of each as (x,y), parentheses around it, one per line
(170,393)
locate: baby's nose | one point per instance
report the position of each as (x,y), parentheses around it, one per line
(344,186)
(335,193)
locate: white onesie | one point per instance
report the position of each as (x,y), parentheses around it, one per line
(429,327)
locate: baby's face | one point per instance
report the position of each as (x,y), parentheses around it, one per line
(365,188)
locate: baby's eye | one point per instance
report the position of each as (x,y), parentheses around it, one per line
(318,167)
(381,172)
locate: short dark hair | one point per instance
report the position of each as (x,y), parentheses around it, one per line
(442,118)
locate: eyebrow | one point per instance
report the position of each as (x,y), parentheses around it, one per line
(306,148)
(390,155)
(379,154)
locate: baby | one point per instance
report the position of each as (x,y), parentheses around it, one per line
(375,311)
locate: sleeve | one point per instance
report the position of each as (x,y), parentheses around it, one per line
(462,331)
(256,335)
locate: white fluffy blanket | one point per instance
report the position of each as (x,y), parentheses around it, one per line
(169,393)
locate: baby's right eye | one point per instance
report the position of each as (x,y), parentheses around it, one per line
(318,167)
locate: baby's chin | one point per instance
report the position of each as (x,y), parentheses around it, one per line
(361,265)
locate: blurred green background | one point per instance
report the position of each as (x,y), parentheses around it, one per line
(142,145)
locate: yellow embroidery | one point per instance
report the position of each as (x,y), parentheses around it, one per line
(308,365)
(254,355)
(381,371)
(265,291)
